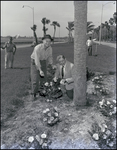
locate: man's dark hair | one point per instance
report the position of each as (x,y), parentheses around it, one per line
(60,56)
(63,56)
(90,37)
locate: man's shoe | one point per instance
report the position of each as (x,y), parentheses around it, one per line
(33,97)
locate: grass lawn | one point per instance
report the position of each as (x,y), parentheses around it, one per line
(15,82)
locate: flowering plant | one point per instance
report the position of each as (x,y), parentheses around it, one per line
(51,116)
(103,134)
(51,90)
(108,108)
(98,79)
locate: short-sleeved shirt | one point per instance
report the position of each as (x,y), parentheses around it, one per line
(40,53)
(9,47)
(89,42)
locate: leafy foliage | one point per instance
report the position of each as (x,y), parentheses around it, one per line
(55,24)
(44,22)
(35,35)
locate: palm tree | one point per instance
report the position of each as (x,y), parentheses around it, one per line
(90,26)
(44,22)
(108,28)
(79,71)
(70,28)
(34,32)
(111,21)
(103,31)
(115,17)
(55,24)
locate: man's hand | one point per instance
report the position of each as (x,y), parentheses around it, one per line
(62,81)
(42,73)
(53,66)
(55,79)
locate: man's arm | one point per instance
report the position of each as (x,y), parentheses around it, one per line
(70,80)
(4,46)
(57,72)
(50,58)
(14,49)
(37,58)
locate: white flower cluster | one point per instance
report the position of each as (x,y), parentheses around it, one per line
(48,84)
(42,140)
(108,106)
(103,90)
(51,116)
(103,133)
(98,79)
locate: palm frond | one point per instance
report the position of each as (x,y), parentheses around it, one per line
(47,21)
(67,28)
(89,22)
(58,25)
(72,29)
(91,26)
(43,20)
(46,29)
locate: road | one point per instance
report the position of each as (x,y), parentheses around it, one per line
(29,45)
(107,44)
(102,43)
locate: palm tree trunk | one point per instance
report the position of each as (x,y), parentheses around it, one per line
(44,31)
(79,72)
(54,34)
(35,36)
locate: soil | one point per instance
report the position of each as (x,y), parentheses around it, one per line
(71,131)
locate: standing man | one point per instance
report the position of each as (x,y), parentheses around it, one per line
(64,74)
(40,58)
(89,43)
(10,49)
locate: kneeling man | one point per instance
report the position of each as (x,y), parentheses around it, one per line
(64,73)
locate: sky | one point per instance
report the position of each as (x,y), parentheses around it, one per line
(17,20)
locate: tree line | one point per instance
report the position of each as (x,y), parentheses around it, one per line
(108,29)
(55,24)
(45,21)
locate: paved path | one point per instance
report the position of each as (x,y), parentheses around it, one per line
(29,45)
(107,44)
(102,43)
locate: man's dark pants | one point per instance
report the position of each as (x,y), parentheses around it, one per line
(90,50)
(36,79)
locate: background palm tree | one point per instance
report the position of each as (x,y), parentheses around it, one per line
(115,17)
(70,28)
(34,32)
(55,24)
(96,32)
(108,29)
(111,21)
(79,72)
(90,26)
(44,22)
(103,31)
